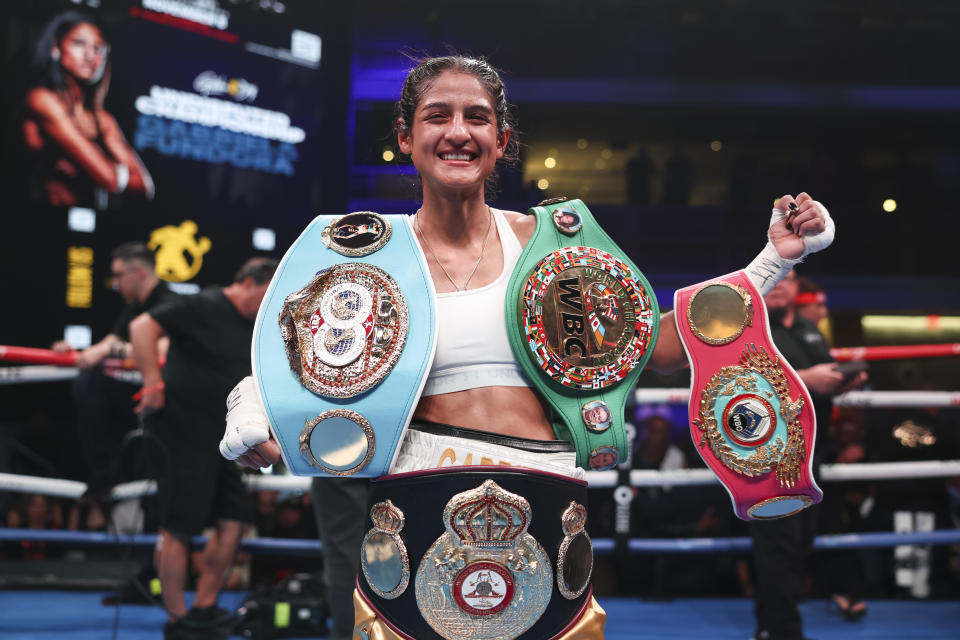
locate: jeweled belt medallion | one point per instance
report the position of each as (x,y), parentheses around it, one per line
(485,578)
(383,556)
(357,234)
(567,220)
(340,441)
(575,558)
(750,422)
(603,458)
(587,318)
(718,312)
(596,416)
(345,330)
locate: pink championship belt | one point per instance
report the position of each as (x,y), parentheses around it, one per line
(751,417)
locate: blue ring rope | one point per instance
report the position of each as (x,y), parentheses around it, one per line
(601,546)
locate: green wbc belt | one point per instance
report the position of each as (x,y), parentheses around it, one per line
(582,322)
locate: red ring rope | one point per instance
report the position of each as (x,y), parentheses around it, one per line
(847,354)
(29,355)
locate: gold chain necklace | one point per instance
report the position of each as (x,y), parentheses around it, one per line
(483,248)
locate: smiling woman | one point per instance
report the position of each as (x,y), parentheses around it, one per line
(421,78)
(77,149)
(453,137)
(542,327)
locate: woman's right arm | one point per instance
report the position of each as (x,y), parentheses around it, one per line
(51,116)
(140,180)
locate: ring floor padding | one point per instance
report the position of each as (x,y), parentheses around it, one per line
(71,615)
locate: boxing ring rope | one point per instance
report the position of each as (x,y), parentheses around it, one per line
(56,373)
(601,546)
(847,354)
(37,373)
(46,365)
(861,399)
(31,355)
(861,471)
(597,479)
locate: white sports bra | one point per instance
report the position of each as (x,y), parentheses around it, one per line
(472,346)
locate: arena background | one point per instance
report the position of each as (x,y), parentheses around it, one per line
(678,122)
(856,104)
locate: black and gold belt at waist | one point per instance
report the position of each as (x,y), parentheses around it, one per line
(477,553)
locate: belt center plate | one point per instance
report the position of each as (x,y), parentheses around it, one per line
(587,319)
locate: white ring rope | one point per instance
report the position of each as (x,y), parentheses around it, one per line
(53,373)
(36,373)
(898,399)
(863,399)
(71,488)
(828,473)
(890,470)
(597,479)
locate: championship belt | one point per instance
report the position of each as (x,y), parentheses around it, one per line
(343,342)
(478,554)
(582,322)
(751,417)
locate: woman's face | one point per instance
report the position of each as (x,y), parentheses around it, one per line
(813,312)
(453,139)
(83,52)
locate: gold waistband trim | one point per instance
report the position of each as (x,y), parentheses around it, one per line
(369,626)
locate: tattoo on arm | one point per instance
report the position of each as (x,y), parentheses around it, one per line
(766,269)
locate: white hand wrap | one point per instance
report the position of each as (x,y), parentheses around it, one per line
(247,422)
(819,241)
(769,268)
(123,177)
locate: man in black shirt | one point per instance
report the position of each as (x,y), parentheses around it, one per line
(780,547)
(210,335)
(104,404)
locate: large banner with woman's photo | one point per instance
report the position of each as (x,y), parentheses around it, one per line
(197,126)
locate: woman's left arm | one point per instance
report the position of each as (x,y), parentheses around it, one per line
(668,354)
(798,227)
(139,178)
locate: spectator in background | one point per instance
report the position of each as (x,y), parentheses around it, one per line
(210,335)
(677,180)
(953,497)
(79,152)
(33,511)
(812,305)
(104,404)
(847,508)
(640,171)
(654,448)
(340,507)
(916,434)
(676,511)
(86,517)
(285,515)
(781,546)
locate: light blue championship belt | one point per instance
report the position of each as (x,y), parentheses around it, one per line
(343,342)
